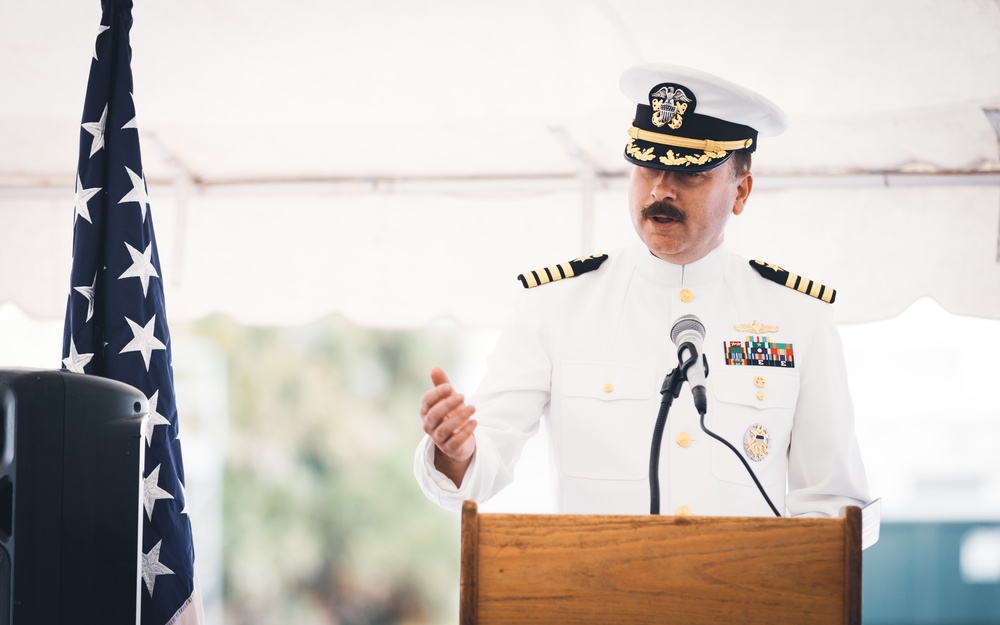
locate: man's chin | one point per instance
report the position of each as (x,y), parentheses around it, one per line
(667,237)
(667,251)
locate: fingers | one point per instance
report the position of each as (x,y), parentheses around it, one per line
(459,443)
(451,422)
(435,396)
(450,412)
(442,388)
(447,419)
(438,376)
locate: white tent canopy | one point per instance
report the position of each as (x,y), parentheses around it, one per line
(398,162)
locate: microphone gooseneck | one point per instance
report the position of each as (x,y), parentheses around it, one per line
(670,390)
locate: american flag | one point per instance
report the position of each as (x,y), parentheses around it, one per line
(116,323)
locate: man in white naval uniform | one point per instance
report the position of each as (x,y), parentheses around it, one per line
(590,353)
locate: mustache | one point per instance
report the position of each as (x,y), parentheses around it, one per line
(662,209)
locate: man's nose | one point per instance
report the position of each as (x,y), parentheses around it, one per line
(663,185)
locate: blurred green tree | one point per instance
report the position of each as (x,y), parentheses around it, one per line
(323,521)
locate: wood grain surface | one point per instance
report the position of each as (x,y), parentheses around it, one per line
(659,569)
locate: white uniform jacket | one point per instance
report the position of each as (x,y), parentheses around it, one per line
(590,353)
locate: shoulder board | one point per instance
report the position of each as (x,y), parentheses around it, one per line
(775,273)
(562,270)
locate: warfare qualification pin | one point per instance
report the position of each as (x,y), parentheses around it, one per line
(755,442)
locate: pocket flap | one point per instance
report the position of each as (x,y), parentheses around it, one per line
(759,387)
(607,381)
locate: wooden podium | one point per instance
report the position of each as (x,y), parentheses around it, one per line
(553,569)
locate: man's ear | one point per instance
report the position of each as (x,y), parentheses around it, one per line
(743,189)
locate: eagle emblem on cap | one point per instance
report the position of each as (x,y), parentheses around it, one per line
(669,104)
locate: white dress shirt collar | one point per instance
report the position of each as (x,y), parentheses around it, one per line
(662,273)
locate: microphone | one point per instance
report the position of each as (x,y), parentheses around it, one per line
(688,334)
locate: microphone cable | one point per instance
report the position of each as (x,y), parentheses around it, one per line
(746,465)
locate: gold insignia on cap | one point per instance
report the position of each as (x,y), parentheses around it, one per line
(638,153)
(756,442)
(755,328)
(701,159)
(775,273)
(669,104)
(569,269)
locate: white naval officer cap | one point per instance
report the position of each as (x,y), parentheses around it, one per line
(689,120)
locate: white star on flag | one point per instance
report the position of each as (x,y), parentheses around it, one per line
(88,292)
(80,199)
(151,491)
(151,567)
(154,419)
(97,129)
(142,267)
(138,192)
(143,340)
(184,498)
(76,362)
(100,29)
(131,123)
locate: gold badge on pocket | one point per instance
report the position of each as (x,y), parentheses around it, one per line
(756,442)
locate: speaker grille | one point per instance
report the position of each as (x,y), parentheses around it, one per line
(6,507)
(4,587)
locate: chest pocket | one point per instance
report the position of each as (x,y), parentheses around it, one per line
(604,423)
(752,405)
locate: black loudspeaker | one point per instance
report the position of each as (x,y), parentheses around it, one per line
(71,458)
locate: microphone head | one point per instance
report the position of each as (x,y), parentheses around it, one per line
(687,328)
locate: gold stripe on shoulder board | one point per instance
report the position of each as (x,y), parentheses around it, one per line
(569,269)
(775,273)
